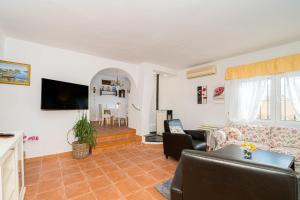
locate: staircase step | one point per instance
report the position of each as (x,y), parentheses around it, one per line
(135,140)
(116,139)
(117,144)
(116,130)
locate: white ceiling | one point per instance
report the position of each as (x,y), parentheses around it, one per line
(172,33)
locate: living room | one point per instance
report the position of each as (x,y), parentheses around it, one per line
(227,71)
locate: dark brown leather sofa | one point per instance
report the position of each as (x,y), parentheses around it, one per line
(174,143)
(202,175)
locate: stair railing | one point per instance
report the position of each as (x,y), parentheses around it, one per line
(135,107)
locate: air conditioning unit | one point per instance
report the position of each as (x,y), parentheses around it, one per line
(201,71)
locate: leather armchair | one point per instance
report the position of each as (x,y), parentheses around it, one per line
(207,175)
(174,143)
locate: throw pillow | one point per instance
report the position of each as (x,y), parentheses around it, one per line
(176,129)
(220,136)
(233,133)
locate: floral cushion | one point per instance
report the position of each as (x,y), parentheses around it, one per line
(220,136)
(176,129)
(288,150)
(233,133)
(218,139)
(285,137)
(254,133)
(226,134)
(277,139)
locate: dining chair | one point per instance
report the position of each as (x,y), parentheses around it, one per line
(105,115)
(121,114)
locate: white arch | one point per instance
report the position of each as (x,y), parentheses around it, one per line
(129,76)
(132,97)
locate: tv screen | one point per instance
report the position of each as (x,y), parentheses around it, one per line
(58,95)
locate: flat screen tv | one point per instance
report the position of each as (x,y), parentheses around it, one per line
(58,95)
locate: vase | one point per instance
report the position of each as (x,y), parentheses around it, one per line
(247,154)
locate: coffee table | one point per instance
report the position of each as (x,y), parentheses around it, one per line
(234,152)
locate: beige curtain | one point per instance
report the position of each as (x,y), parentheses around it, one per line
(274,66)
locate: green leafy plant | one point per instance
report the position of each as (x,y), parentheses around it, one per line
(84,132)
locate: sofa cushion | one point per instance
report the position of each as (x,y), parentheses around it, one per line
(258,145)
(219,136)
(254,133)
(176,129)
(288,150)
(285,137)
(233,133)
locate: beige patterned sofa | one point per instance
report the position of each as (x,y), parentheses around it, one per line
(276,139)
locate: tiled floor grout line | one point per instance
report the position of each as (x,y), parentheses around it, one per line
(134,157)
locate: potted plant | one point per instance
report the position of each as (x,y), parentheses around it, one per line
(85,138)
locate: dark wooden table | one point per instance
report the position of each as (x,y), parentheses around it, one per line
(259,156)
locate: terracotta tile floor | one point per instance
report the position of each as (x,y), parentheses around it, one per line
(121,173)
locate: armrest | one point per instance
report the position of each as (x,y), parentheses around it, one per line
(174,143)
(197,134)
(176,186)
(218,138)
(178,139)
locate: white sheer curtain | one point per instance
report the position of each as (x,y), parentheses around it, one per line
(245,97)
(292,83)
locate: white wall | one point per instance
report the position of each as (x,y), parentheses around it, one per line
(152,114)
(146,88)
(2,40)
(20,105)
(179,94)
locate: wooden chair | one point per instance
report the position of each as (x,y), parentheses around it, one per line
(105,115)
(121,114)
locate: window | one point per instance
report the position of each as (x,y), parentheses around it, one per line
(265,106)
(287,112)
(273,99)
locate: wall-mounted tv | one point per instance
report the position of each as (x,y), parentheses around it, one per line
(58,95)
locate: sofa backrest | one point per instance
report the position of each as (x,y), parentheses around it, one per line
(172,124)
(285,137)
(254,133)
(207,175)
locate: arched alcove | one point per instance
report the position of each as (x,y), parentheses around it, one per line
(112,87)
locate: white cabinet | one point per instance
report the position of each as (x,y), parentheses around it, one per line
(12,168)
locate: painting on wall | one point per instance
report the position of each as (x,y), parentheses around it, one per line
(106,82)
(14,73)
(202,94)
(219,96)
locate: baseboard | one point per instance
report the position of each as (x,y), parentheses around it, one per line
(67,153)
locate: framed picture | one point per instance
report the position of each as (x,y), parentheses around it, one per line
(202,95)
(219,93)
(14,73)
(106,82)
(122,93)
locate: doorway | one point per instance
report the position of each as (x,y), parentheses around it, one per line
(110,97)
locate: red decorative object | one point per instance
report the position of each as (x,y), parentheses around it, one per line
(31,138)
(218,95)
(218,91)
